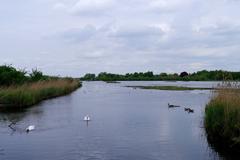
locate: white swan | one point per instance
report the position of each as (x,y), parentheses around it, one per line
(87,118)
(30,128)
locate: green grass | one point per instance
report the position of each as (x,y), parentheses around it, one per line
(174,88)
(31,93)
(222,119)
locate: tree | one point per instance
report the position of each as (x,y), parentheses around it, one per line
(148,74)
(183,74)
(163,74)
(89,76)
(9,75)
(36,75)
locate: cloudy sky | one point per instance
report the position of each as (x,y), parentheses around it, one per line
(72,37)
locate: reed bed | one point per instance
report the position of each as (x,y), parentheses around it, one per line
(222,117)
(31,93)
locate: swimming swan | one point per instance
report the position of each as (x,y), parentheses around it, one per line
(30,128)
(86,118)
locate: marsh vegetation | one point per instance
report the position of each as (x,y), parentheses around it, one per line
(19,89)
(222,118)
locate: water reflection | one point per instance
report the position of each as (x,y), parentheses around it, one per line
(223,151)
(9,117)
(17,115)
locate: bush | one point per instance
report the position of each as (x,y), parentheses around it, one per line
(36,75)
(10,76)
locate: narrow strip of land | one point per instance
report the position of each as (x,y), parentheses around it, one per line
(19,89)
(32,93)
(173,88)
(111,81)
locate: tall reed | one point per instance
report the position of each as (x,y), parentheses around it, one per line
(222,116)
(31,93)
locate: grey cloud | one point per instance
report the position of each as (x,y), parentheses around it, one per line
(137,31)
(79,36)
(76,35)
(89,7)
(138,37)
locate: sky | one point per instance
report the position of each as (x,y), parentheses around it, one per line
(74,37)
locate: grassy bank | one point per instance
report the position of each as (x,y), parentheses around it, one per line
(222,119)
(31,93)
(174,88)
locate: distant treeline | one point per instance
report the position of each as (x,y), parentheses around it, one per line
(204,75)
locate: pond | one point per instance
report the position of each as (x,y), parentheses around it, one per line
(126,124)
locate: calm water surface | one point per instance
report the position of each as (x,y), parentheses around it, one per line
(127,124)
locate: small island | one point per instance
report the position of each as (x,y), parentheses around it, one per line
(111,81)
(173,88)
(19,89)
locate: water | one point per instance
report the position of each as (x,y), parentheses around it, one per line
(126,124)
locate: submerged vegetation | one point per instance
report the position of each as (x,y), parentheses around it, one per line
(174,88)
(203,75)
(17,89)
(222,118)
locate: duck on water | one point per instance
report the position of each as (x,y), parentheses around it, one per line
(189,110)
(172,106)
